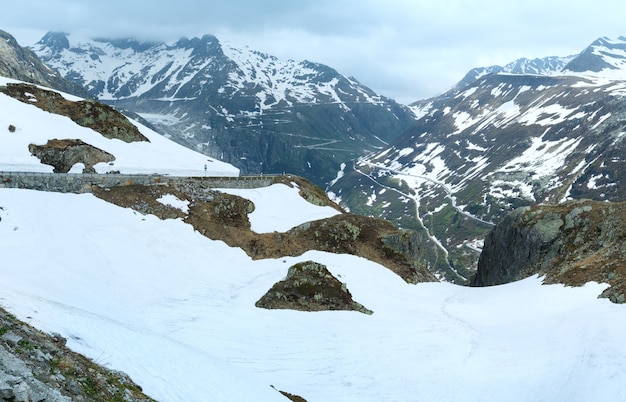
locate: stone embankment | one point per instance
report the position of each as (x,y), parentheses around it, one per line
(87,182)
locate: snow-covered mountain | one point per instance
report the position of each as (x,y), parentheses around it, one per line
(499,141)
(245,107)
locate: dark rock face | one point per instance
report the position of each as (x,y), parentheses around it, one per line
(572,243)
(310,287)
(63,154)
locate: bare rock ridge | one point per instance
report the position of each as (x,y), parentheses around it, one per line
(63,154)
(309,286)
(572,243)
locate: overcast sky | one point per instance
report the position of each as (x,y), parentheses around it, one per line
(404,49)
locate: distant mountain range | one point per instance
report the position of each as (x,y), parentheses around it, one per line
(533,131)
(245,107)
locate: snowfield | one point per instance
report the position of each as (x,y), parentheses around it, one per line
(176,311)
(278,208)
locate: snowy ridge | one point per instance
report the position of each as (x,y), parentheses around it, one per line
(284,83)
(121,72)
(115,71)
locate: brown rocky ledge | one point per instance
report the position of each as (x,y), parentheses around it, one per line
(87,113)
(224,217)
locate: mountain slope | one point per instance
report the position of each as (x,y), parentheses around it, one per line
(176,312)
(499,142)
(245,107)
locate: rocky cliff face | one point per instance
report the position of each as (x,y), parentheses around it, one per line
(572,243)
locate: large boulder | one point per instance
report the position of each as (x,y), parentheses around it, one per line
(63,154)
(309,286)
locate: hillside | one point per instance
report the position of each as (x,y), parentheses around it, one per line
(27,122)
(154,285)
(552,132)
(250,109)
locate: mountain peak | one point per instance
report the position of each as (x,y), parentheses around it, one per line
(56,41)
(602,55)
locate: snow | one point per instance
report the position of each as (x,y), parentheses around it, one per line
(541,160)
(36,126)
(278,208)
(172,200)
(175,311)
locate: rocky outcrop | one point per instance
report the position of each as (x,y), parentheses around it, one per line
(224,217)
(87,113)
(309,286)
(63,154)
(38,367)
(572,243)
